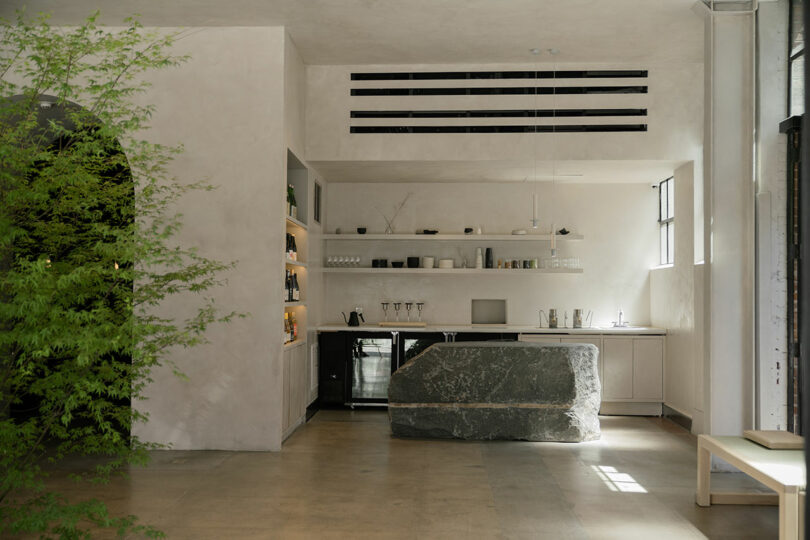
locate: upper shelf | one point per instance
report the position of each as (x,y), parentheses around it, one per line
(455,237)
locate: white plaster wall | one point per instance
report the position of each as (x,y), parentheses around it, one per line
(232,398)
(672,300)
(729,225)
(771,175)
(620,246)
(674,103)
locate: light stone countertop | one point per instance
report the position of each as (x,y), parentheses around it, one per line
(493,328)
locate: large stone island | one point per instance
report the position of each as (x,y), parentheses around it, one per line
(486,390)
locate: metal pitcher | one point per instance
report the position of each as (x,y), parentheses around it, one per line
(551,320)
(578,318)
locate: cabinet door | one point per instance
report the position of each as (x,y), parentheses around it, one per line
(298,384)
(618,368)
(648,369)
(285,410)
(333,359)
(538,338)
(592,340)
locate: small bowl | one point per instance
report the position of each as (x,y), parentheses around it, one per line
(361,230)
(397,264)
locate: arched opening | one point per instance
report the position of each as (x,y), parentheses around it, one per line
(76,206)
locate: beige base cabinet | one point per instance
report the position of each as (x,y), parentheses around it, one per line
(631,370)
(634,369)
(296,388)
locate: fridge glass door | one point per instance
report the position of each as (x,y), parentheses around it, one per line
(371,369)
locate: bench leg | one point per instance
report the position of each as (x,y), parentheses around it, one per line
(704,471)
(789,514)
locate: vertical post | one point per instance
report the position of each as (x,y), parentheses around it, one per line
(704,479)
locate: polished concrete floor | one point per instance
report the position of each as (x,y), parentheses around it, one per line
(343,476)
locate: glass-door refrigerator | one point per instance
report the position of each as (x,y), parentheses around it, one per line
(374,356)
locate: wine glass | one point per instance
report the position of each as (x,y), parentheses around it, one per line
(408,306)
(385,310)
(419,306)
(397,306)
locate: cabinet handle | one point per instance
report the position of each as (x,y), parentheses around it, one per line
(333,377)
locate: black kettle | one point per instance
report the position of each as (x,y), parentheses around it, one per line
(354,317)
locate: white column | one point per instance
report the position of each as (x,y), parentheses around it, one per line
(729,222)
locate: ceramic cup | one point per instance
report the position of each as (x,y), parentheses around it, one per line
(427,262)
(413,262)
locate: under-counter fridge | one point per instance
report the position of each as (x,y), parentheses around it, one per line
(356,367)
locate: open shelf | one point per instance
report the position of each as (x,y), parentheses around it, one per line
(295,304)
(291,262)
(455,237)
(292,221)
(455,271)
(294,344)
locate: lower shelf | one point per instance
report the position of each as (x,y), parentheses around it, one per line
(454,271)
(294,344)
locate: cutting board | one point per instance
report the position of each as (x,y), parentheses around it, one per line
(775,440)
(413,324)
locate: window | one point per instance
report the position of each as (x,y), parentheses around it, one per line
(317,202)
(796,83)
(666,217)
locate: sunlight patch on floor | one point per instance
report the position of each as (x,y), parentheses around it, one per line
(618,481)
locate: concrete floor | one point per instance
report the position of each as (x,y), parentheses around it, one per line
(343,476)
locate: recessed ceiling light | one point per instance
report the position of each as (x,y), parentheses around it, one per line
(534,50)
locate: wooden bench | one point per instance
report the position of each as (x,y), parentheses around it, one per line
(781,470)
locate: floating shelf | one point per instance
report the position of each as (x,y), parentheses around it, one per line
(455,271)
(292,262)
(294,344)
(294,304)
(456,237)
(301,225)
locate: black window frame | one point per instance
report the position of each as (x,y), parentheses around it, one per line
(666,222)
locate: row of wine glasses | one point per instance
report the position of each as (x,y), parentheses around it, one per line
(398,306)
(346,261)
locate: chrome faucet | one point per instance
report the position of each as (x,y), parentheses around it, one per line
(621,323)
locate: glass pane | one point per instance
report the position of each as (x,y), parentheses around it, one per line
(662,258)
(662,201)
(671,243)
(797,86)
(414,347)
(371,368)
(671,198)
(796,26)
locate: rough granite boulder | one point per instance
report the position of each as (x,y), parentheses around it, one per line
(486,390)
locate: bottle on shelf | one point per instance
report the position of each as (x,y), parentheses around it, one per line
(286,285)
(292,249)
(286,327)
(292,208)
(294,325)
(296,291)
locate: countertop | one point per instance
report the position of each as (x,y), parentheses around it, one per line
(508,328)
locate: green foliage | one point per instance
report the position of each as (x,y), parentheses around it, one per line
(87,258)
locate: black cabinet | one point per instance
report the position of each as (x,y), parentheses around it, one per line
(332,376)
(356,367)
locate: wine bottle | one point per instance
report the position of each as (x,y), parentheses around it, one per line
(286,327)
(293,248)
(294,325)
(291,200)
(296,289)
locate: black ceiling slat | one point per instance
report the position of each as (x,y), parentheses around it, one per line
(458,75)
(506,113)
(506,90)
(605,128)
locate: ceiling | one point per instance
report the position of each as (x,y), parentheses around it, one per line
(357,32)
(429,31)
(497,171)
